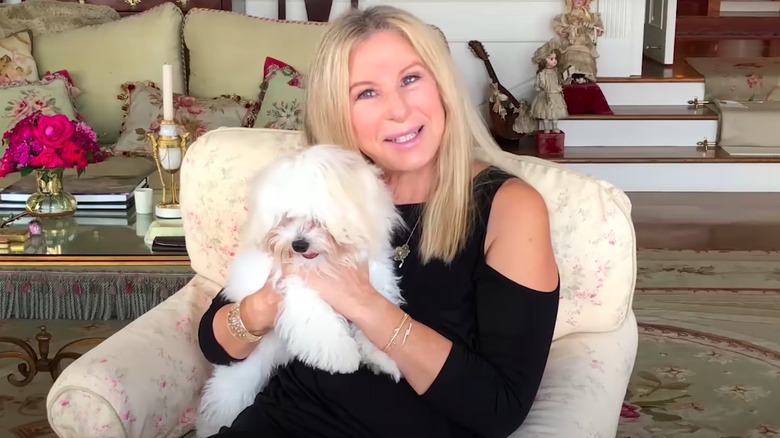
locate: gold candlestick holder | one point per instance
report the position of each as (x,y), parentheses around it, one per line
(168,149)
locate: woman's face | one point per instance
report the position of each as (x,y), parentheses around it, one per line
(578,4)
(395,107)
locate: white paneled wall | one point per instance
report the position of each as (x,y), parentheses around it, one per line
(511,31)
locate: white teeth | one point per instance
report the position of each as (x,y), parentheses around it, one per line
(405,138)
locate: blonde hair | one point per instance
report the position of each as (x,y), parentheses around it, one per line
(447,214)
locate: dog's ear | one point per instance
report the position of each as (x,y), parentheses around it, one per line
(261,217)
(382,215)
(358,208)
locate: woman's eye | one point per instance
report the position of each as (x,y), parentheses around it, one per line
(409,79)
(366,93)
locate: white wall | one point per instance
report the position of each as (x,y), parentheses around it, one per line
(511,30)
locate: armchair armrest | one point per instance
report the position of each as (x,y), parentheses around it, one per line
(584,385)
(144,381)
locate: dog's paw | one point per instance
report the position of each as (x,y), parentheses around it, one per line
(385,369)
(328,346)
(315,334)
(338,355)
(375,359)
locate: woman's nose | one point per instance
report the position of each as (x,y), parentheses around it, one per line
(397,106)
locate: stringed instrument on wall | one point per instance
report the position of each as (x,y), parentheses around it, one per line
(502,126)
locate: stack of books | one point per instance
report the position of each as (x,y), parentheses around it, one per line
(95,195)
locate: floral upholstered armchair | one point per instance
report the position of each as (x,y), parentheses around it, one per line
(145,380)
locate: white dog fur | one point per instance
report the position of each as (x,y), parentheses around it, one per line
(336,202)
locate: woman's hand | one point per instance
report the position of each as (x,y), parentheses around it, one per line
(258,311)
(258,314)
(348,289)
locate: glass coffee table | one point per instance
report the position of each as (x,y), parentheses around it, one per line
(83,267)
(84,240)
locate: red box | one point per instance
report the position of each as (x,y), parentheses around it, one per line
(549,144)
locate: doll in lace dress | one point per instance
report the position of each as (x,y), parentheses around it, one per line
(576,33)
(548,105)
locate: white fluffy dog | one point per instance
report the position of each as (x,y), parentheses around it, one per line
(317,208)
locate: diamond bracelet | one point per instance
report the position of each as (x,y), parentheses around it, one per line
(236,326)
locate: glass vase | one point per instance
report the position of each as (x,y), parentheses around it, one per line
(50,200)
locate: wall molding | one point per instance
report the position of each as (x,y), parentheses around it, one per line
(511,31)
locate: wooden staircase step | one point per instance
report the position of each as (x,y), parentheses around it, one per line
(637,154)
(729,25)
(749,6)
(651,112)
(650,79)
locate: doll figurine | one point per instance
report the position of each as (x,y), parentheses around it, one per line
(577,31)
(548,105)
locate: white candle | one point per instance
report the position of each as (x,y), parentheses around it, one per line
(167,91)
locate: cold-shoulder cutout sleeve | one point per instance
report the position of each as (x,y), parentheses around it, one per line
(489,389)
(212,350)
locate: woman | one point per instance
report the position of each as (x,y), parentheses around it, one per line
(481,281)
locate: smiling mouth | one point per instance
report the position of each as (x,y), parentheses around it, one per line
(405,138)
(310,255)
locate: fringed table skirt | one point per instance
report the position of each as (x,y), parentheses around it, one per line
(87,293)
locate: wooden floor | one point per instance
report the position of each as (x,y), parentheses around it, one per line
(707,221)
(680,70)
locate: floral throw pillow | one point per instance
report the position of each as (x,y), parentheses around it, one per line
(50,95)
(16,59)
(281,97)
(195,115)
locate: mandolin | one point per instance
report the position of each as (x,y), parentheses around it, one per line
(502,127)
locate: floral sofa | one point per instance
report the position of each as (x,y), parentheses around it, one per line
(229,70)
(145,380)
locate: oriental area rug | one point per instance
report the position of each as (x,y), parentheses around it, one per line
(708,364)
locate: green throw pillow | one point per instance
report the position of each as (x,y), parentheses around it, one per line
(281,97)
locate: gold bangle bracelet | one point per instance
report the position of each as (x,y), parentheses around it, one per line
(237,327)
(395,332)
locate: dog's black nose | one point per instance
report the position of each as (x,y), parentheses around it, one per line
(300,245)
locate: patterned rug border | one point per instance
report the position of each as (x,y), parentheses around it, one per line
(734,290)
(744,348)
(708,252)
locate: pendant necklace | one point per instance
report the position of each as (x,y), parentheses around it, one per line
(401,252)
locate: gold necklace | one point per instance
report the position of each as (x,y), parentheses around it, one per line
(401,252)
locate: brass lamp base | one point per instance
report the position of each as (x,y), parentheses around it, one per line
(35,363)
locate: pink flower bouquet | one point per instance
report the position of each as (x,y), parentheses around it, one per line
(49,142)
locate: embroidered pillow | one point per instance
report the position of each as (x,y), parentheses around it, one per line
(50,95)
(143,112)
(16,59)
(281,97)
